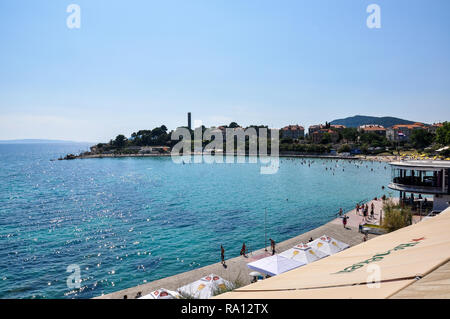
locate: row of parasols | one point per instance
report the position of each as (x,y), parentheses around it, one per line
(295,257)
(203,288)
(298,256)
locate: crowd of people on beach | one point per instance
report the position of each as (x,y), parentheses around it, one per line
(367,211)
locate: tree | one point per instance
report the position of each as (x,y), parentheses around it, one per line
(349,134)
(421,138)
(120,141)
(326,138)
(373,139)
(395,217)
(345,148)
(233,125)
(443,134)
(286,140)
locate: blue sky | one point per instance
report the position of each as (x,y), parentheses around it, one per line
(139,64)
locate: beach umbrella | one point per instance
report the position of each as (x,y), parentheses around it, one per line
(328,245)
(205,287)
(274,265)
(303,253)
(162,294)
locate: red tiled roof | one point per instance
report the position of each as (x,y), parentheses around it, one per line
(292,128)
(325,131)
(408,126)
(374,128)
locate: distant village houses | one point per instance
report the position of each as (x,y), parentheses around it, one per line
(432,128)
(317,133)
(373,128)
(322,127)
(293,131)
(318,136)
(402,132)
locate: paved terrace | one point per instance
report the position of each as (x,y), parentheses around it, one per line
(236,268)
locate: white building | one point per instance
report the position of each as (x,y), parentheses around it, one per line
(423,177)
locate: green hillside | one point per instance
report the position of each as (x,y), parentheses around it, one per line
(358,120)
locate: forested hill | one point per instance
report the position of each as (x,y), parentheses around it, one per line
(358,120)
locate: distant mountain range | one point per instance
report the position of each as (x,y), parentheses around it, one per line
(39,141)
(355,121)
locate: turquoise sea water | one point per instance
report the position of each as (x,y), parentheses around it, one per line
(133,220)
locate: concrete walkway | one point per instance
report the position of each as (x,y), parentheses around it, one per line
(236,268)
(354,218)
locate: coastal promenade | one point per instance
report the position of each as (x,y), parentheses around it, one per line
(236,269)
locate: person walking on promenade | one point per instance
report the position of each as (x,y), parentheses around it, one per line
(357,209)
(243,250)
(344,221)
(222,254)
(272,245)
(372,212)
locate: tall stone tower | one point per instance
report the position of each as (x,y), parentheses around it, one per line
(189,120)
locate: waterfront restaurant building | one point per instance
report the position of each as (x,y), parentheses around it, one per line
(425,178)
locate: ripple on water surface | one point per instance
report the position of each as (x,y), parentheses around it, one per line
(133,220)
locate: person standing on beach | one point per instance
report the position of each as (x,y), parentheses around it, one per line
(222,254)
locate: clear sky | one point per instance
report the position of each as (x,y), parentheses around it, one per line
(137,64)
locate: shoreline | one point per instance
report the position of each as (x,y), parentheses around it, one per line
(237,269)
(377,158)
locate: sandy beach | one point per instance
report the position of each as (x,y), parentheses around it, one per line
(236,268)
